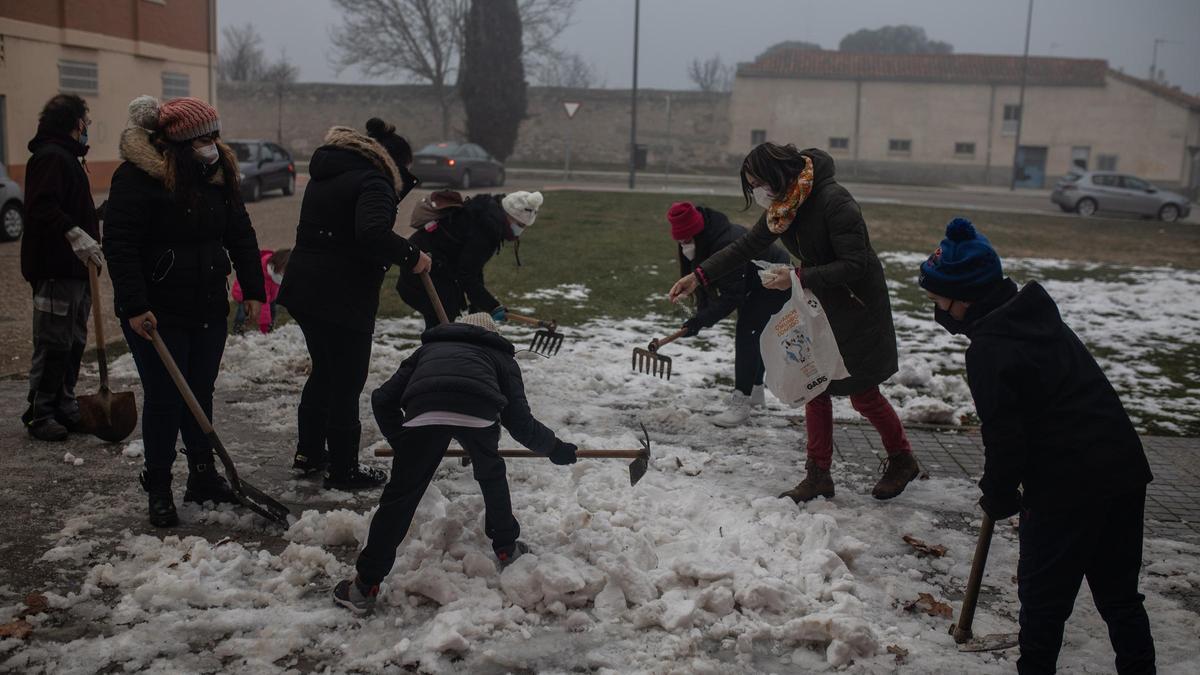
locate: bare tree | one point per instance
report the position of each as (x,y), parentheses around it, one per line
(711,74)
(281,72)
(422,39)
(568,71)
(241,58)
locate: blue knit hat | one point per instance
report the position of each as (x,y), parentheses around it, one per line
(964,267)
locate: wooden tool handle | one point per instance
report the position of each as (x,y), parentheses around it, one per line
(433,297)
(529,454)
(656,343)
(962,630)
(98,320)
(529,320)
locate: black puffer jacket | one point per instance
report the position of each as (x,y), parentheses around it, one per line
(727,293)
(170,258)
(830,239)
(344,240)
(1050,419)
(58,197)
(463,369)
(463,243)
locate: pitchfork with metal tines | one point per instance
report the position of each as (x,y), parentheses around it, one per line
(547,340)
(649,361)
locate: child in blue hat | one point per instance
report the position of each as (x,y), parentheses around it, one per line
(1054,426)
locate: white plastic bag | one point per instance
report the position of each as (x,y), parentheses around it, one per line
(799,350)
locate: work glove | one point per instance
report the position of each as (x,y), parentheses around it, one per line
(85,248)
(500,313)
(692,326)
(999,508)
(563,453)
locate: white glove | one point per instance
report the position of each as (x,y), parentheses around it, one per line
(85,248)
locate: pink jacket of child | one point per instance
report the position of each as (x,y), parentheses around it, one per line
(264,317)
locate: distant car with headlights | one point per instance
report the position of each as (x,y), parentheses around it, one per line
(264,167)
(1089,192)
(12,207)
(464,165)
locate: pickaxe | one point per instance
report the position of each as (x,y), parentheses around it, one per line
(637,468)
(963,637)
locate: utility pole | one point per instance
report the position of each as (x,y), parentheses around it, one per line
(637,11)
(1021,99)
(670,145)
(1154,59)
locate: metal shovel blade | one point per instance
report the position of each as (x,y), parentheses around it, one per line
(107,415)
(260,503)
(989,643)
(651,363)
(546,343)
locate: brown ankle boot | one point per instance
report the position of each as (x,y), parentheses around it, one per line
(899,470)
(818,483)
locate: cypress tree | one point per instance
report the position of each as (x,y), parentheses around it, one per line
(492,76)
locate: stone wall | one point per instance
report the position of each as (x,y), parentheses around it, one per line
(298,116)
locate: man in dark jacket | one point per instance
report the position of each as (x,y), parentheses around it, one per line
(1053,424)
(58,244)
(699,233)
(462,384)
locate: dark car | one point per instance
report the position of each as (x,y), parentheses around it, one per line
(264,166)
(12,209)
(462,164)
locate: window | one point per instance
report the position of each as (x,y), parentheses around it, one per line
(758,136)
(964,149)
(1079,157)
(1012,117)
(1131,183)
(176,85)
(1106,162)
(278,154)
(839,143)
(901,146)
(1104,180)
(78,77)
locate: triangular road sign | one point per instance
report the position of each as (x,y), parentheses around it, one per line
(571,107)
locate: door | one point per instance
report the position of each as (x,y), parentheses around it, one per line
(278,165)
(1137,196)
(1031,166)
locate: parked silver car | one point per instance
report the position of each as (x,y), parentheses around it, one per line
(12,208)
(1086,193)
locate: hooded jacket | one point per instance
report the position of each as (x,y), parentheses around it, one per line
(829,237)
(1051,421)
(174,258)
(58,197)
(727,293)
(344,240)
(463,369)
(462,243)
(272,289)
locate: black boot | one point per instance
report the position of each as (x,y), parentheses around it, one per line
(162,504)
(204,484)
(311,459)
(39,419)
(344,472)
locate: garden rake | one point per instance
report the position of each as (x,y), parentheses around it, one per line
(547,340)
(649,361)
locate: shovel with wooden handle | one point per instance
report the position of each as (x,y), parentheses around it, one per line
(547,340)
(107,415)
(649,361)
(963,637)
(249,496)
(637,468)
(431,291)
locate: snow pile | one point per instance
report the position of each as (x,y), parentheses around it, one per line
(574,292)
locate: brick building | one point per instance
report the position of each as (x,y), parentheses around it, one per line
(108,52)
(952,118)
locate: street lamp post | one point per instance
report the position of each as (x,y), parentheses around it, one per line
(637,11)
(1021,99)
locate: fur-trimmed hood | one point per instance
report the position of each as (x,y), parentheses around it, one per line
(349,139)
(137,148)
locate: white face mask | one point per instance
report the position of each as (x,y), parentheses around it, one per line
(276,277)
(763,196)
(208,153)
(689,250)
(516,228)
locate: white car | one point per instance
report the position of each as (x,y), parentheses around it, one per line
(12,208)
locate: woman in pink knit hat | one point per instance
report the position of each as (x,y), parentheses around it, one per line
(175,221)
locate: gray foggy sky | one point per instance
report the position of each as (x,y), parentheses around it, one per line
(675,31)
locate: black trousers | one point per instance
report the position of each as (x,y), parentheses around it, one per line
(418,452)
(1058,550)
(197,352)
(327,421)
(412,292)
(759,307)
(60,320)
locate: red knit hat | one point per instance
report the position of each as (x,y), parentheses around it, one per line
(686,221)
(182,119)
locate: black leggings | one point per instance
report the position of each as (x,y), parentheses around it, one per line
(328,416)
(759,307)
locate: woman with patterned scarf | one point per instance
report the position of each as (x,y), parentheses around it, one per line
(821,225)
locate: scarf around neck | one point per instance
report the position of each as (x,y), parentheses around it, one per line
(783,211)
